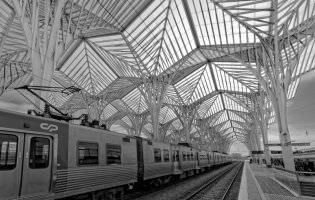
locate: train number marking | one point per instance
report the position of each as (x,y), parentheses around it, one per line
(48,127)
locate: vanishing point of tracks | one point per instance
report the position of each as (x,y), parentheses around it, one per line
(219,187)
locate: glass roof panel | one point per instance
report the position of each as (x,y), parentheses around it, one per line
(230,104)
(240,73)
(205,106)
(223,117)
(192,59)
(236,125)
(255,13)
(120,105)
(292,88)
(77,101)
(187,86)
(205,85)
(117,64)
(215,27)
(235,117)
(228,131)
(127,121)
(114,46)
(166,114)
(216,107)
(160,35)
(116,13)
(306,61)
(294,12)
(146,32)
(136,101)
(226,81)
(88,70)
(171,96)
(224,126)
(272,118)
(108,111)
(177,125)
(12,35)
(56,98)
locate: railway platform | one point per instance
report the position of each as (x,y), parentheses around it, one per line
(260,183)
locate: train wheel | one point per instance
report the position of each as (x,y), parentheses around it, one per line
(155,183)
(167,179)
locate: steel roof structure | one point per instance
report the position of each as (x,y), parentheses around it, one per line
(194,70)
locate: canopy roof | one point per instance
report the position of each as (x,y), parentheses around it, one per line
(197,52)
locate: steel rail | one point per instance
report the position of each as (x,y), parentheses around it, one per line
(210,182)
(225,195)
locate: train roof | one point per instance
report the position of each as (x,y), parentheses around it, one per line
(25,122)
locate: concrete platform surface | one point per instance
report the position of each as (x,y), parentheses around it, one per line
(258,183)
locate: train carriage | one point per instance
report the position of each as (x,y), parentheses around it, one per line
(211,159)
(157,159)
(203,159)
(28,155)
(175,159)
(217,158)
(95,160)
(42,158)
(187,158)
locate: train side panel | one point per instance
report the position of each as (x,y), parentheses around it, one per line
(98,159)
(157,159)
(176,168)
(187,158)
(28,156)
(203,159)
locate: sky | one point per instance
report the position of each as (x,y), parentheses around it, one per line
(301,114)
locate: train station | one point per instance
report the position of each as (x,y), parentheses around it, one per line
(157,99)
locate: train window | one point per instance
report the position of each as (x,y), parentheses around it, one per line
(113,153)
(188,156)
(157,155)
(39,153)
(8,151)
(184,156)
(191,155)
(166,155)
(175,155)
(87,153)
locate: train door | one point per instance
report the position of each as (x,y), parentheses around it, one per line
(140,159)
(11,148)
(37,164)
(208,158)
(176,166)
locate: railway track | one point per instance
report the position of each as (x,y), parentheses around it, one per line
(219,187)
(147,193)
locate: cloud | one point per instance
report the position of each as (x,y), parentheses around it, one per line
(14,101)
